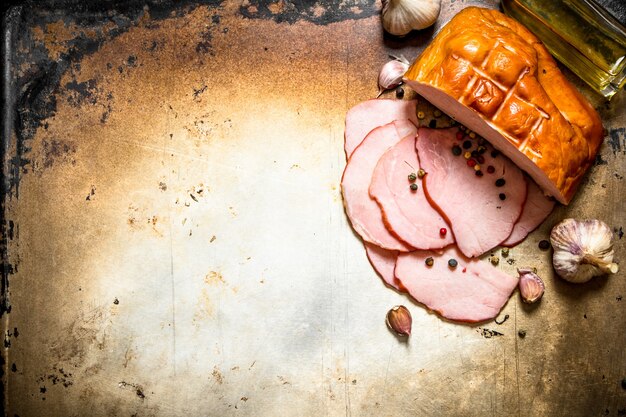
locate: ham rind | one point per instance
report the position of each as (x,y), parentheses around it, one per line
(480,213)
(474,291)
(536,208)
(406,213)
(364,117)
(384,263)
(362,210)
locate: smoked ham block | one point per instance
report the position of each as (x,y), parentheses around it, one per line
(536,208)
(406,212)
(366,116)
(473,291)
(491,74)
(363,212)
(481,209)
(384,263)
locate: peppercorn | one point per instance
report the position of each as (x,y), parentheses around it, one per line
(476,167)
(412,177)
(502,196)
(437,113)
(505,252)
(413,187)
(522,333)
(421,173)
(429,261)
(467,144)
(420,115)
(494,260)
(500,182)
(479,173)
(495,153)
(491,169)
(471,163)
(432,124)
(472,135)
(467,155)
(456,150)
(475,154)
(459,135)
(443,231)
(452,263)
(481,150)
(480,159)
(544,245)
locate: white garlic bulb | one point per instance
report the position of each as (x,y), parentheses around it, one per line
(402,16)
(582,250)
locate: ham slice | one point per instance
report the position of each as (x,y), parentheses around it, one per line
(536,208)
(365,116)
(362,210)
(481,210)
(407,213)
(384,262)
(472,292)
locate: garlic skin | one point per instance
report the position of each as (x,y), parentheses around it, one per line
(582,250)
(531,287)
(399,320)
(402,16)
(391,74)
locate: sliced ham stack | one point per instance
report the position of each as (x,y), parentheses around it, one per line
(458,210)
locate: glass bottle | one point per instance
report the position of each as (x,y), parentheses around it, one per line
(580,34)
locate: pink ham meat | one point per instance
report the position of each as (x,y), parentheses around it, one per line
(480,213)
(362,210)
(365,116)
(472,292)
(406,213)
(384,262)
(536,208)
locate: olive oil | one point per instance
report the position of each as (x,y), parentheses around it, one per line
(580,34)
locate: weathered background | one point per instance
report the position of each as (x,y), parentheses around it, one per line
(175,243)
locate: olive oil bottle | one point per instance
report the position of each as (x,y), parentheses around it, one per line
(581,34)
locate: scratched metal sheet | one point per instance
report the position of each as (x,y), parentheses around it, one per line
(174,241)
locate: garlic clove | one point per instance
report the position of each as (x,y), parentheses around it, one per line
(391,74)
(582,250)
(399,320)
(402,16)
(531,287)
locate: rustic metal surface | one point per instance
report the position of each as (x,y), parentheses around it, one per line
(175,243)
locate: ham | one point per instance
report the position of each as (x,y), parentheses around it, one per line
(536,208)
(472,292)
(481,210)
(363,212)
(365,116)
(406,213)
(384,262)
(494,76)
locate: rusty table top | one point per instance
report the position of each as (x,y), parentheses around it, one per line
(174,241)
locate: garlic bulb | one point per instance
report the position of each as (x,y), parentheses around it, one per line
(531,287)
(391,74)
(582,250)
(402,16)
